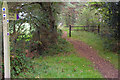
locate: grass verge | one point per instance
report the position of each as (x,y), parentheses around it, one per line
(97,43)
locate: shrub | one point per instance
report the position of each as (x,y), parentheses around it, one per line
(62,46)
(59,31)
(19,63)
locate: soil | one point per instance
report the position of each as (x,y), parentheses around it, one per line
(84,50)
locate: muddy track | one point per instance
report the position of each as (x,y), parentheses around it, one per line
(104,67)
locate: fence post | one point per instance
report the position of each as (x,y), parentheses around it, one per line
(69,30)
(98,28)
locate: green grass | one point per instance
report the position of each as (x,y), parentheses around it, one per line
(64,66)
(77,27)
(97,43)
(61,61)
(67,28)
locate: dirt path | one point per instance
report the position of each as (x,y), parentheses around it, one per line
(105,67)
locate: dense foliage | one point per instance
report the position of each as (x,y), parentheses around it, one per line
(101,17)
(31,35)
(109,23)
(42,26)
(20,63)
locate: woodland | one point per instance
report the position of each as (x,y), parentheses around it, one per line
(40,46)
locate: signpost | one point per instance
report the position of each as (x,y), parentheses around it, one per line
(13,16)
(6,40)
(6,17)
(1,47)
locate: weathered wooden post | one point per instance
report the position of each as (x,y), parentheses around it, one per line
(69,30)
(1,40)
(99,28)
(6,40)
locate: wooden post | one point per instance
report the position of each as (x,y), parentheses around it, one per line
(6,40)
(99,28)
(69,30)
(84,27)
(1,47)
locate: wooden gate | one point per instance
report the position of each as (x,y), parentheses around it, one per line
(84,28)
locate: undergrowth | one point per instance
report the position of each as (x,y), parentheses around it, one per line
(62,46)
(20,63)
